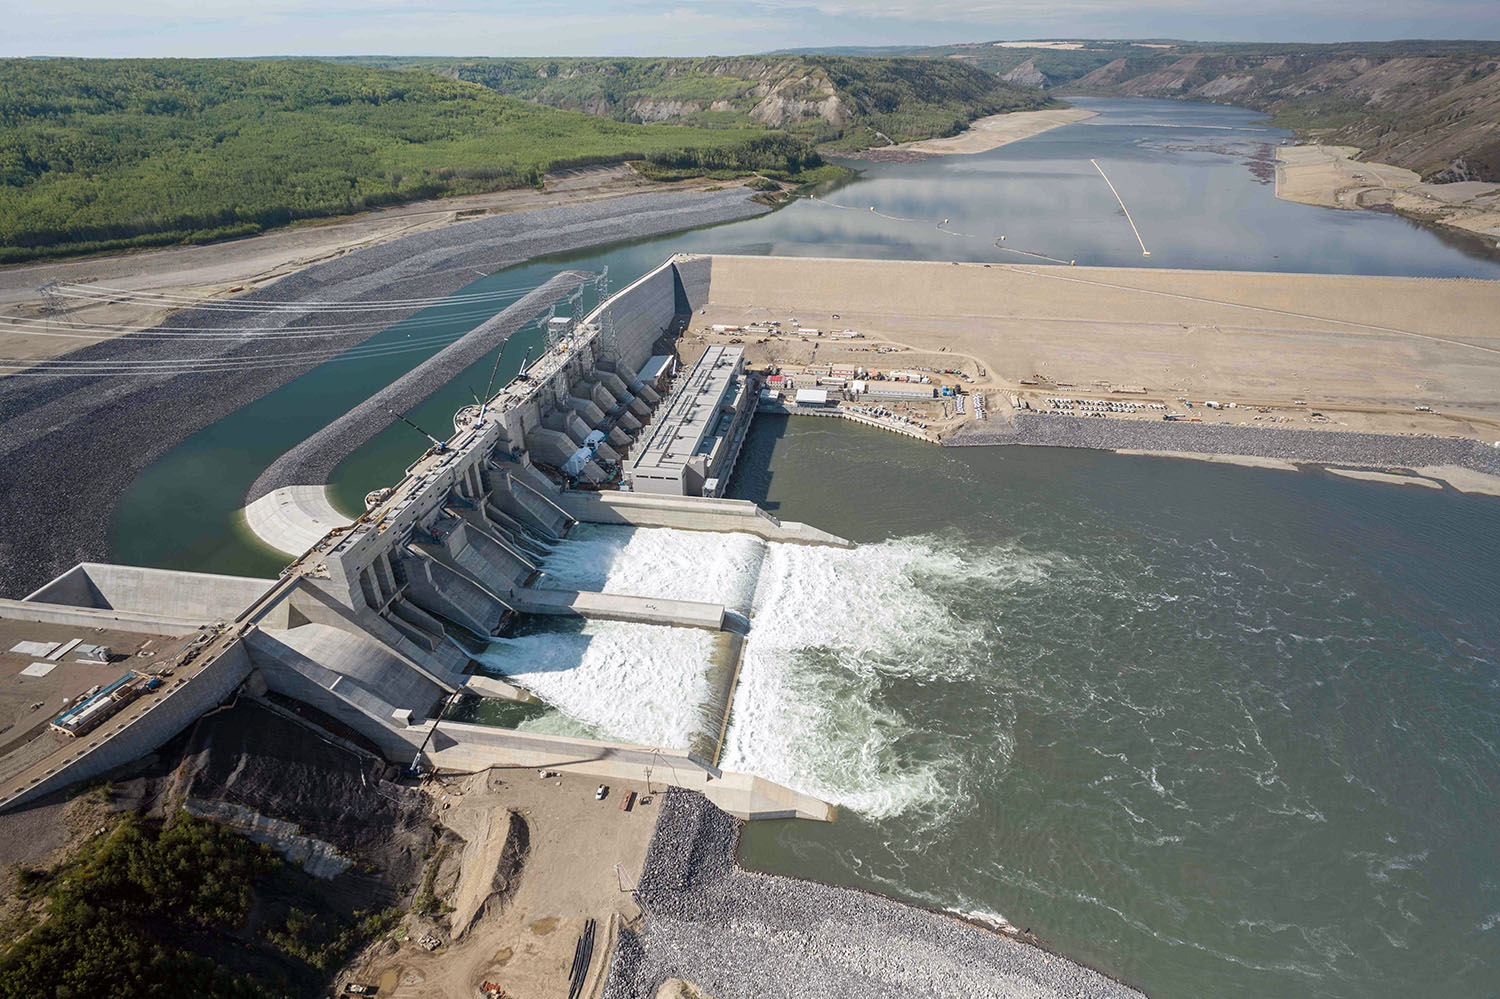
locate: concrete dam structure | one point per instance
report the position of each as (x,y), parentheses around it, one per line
(372,623)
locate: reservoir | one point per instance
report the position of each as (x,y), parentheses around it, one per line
(1213,730)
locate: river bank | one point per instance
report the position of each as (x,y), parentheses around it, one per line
(982,135)
(1465,465)
(736,934)
(1330,177)
(221,270)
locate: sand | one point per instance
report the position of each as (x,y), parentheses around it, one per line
(579,853)
(1067,46)
(997,130)
(1465,480)
(217,269)
(1363,352)
(1330,177)
(1243,460)
(1390,478)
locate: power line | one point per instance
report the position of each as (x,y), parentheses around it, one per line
(101,293)
(283,331)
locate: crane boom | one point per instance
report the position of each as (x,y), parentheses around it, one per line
(439,444)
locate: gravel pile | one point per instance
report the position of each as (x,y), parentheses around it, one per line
(740,935)
(70,446)
(313,461)
(1331,446)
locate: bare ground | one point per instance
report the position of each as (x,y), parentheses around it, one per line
(1330,177)
(223,270)
(516,924)
(1363,352)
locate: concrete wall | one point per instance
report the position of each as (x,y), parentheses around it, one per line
(198,595)
(359,658)
(172,710)
(640,313)
(321,689)
(466,747)
(93,617)
(691,514)
(694,276)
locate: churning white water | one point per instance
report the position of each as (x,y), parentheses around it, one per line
(656,562)
(829,627)
(634,682)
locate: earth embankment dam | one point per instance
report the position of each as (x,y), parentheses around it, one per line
(1376,370)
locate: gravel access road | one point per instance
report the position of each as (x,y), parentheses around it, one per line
(71,444)
(741,935)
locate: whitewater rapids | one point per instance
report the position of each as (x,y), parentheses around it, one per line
(829,627)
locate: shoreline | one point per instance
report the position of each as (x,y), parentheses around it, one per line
(731,930)
(1331,177)
(1464,465)
(982,135)
(87,438)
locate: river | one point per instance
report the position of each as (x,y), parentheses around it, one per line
(1214,730)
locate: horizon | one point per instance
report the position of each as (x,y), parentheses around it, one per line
(592,28)
(875,50)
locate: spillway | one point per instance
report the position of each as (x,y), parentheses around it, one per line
(472,574)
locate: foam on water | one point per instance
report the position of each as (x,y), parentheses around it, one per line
(831,628)
(657,562)
(635,682)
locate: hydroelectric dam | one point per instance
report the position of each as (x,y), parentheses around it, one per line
(373,622)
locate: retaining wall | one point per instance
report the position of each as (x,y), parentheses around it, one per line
(199,596)
(691,513)
(169,712)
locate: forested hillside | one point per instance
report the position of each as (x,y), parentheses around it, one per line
(106,154)
(1430,106)
(849,103)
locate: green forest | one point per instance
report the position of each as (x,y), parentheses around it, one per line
(113,154)
(153,910)
(118,916)
(874,101)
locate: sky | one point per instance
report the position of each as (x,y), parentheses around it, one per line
(690,27)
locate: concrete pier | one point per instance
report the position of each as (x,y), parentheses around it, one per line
(692,514)
(620,607)
(466,747)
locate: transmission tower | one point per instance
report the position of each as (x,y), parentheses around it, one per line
(549,334)
(54,302)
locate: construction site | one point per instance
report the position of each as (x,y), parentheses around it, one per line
(634,415)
